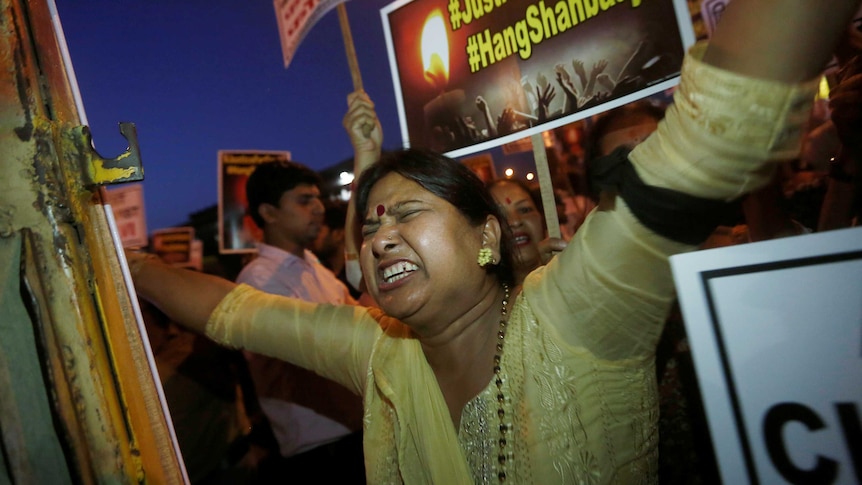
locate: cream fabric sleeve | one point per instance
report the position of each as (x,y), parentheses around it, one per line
(721,131)
(610,289)
(334,341)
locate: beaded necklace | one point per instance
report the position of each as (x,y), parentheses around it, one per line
(503,456)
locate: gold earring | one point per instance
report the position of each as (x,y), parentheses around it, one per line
(485,257)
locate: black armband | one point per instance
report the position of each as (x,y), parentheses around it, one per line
(677,216)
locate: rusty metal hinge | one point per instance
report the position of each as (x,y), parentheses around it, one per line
(98,170)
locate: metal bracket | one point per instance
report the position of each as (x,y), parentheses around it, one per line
(126,167)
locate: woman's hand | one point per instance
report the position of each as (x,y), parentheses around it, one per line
(364,130)
(549,247)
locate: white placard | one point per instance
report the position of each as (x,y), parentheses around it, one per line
(776,335)
(127,203)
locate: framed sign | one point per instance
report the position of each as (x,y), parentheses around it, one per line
(237,230)
(776,335)
(469,76)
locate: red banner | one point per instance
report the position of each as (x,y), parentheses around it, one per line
(295,18)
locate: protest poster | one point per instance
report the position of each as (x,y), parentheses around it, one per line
(469,76)
(775,330)
(127,204)
(237,231)
(174,245)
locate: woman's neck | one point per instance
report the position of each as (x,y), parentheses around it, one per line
(462,356)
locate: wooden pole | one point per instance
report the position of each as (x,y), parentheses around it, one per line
(545,185)
(349,48)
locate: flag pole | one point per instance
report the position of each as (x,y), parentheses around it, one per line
(545,185)
(349,48)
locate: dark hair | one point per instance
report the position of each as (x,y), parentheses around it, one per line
(271,180)
(450,180)
(336,213)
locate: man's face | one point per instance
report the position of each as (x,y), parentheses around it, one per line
(298,217)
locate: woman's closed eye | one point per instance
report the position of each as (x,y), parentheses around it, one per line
(407,214)
(369,229)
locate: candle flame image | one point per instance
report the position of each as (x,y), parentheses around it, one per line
(435,50)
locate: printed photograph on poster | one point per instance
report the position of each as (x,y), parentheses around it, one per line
(237,230)
(174,245)
(467,80)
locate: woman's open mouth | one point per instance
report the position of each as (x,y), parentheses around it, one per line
(397,272)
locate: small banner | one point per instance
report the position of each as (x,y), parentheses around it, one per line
(174,245)
(470,76)
(237,230)
(296,18)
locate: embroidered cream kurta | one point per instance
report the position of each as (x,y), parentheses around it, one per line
(578,363)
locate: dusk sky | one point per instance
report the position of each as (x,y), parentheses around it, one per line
(199,76)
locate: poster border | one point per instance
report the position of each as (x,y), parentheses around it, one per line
(742,431)
(688,269)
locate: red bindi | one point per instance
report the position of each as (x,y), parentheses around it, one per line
(380,210)
(508,200)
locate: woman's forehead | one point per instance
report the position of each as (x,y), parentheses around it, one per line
(507,192)
(507,186)
(392,183)
(395,189)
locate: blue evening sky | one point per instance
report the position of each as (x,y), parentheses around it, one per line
(199,76)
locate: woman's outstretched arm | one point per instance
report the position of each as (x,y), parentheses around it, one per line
(185,296)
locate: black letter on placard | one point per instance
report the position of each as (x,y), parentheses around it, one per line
(852,427)
(825,471)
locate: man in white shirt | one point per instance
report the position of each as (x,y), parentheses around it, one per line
(317,422)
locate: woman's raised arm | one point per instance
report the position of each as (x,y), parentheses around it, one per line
(366,136)
(781,40)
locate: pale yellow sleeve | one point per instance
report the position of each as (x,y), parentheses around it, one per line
(334,341)
(723,132)
(609,291)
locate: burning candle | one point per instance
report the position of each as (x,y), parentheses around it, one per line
(442,112)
